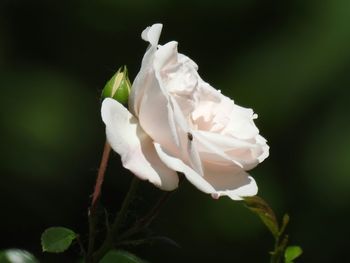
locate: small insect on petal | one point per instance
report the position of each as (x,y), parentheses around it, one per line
(189,136)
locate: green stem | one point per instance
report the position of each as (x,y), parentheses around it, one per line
(280,246)
(117,224)
(275,258)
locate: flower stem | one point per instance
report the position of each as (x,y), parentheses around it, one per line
(81,245)
(274,254)
(100,177)
(280,246)
(117,224)
(95,198)
(123,211)
(146,220)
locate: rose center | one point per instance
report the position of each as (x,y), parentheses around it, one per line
(209,116)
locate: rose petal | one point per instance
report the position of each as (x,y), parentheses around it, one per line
(165,56)
(265,148)
(213,146)
(232,182)
(178,165)
(242,124)
(187,145)
(208,150)
(148,96)
(152,34)
(186,60)
(137,151)
(157,118)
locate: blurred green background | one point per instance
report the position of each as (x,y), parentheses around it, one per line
(288,60)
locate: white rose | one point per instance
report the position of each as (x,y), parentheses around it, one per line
(178,122)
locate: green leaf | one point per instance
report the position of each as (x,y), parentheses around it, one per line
(17,256)
(264,211)
(57,239)
(291,253)
(120,256)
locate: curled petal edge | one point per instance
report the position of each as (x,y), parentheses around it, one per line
(236,185)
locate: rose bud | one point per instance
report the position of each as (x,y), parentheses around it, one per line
(118,87)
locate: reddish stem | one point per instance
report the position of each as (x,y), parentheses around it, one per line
(95,198)
(100,176)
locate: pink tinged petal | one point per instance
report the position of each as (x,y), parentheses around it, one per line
(152,33)
(232,182)
(157,118)
(241,124)
(165,56)
(221,149)
(265,148)
(186,60)
(142,81)
(147,164)
(209,152)
(193,154)
(144,77)
(187,145)
(176,164)
(182,81)
(159,124)
(136,148)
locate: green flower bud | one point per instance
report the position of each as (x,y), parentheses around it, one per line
(118,87)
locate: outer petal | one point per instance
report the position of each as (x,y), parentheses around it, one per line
(137,151)
(232,182)
(178,165)
(148,95)
(157,118)
(214,146)
(166,56)
(265,148)
(150,34)
(156,114)
(187,147)
(242,125)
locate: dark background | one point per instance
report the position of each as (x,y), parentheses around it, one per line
(288,60)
